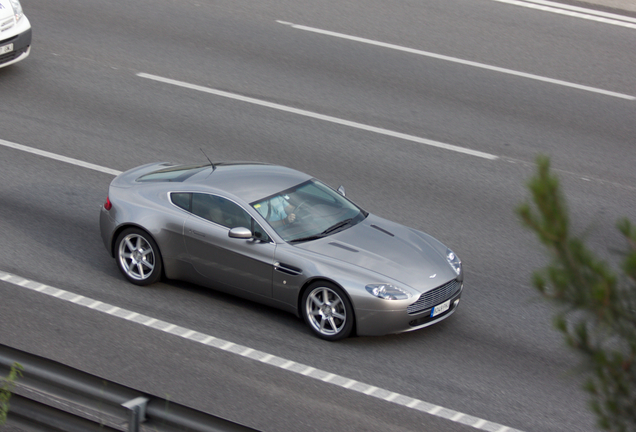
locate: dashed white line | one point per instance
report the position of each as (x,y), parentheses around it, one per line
(285,364)
(460,61)
(323,117)
(59,157)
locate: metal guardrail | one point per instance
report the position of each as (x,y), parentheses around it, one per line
(62,398)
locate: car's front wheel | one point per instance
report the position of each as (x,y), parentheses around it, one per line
(138,256)
(328,311)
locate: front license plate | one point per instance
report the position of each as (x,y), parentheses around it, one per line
(6,48)
(440,308)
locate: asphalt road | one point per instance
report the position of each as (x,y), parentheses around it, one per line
(79,95)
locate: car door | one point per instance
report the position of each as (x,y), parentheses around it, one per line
(243,264)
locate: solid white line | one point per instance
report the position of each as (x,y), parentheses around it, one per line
(329,377)
(350,383)
(391,396)
(242,350)
(584,10)
(226,346)
(188,334)
(435,409)
(457,416)
(207,340)
(77,298)
(308,371)
(267,358)
(288,364)
(370,390)
(314,115)
(413,403)
(59,157)
(479,423)
(461,61)
(573,11)
(245,353)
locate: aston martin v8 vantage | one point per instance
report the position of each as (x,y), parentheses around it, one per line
(277,236)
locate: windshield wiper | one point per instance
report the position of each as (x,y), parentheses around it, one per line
(311,237)
(326,232)
(336,226)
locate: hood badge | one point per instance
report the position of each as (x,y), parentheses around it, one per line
(432,276)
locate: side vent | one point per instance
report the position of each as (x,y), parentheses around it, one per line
(383,230)
(287,269)
(345,247)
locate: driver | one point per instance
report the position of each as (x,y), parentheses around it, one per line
(277,211)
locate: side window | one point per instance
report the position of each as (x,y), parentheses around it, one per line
(220,211)
(182,200)
(259,232)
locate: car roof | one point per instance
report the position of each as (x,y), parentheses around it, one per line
(248,181)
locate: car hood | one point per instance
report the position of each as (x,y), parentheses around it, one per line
(5,9)
(389,249)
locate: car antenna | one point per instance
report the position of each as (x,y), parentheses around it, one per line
(206,156)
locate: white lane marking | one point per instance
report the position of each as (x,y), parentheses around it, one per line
(574,11)
(323,117)
(307,371)
(584,10)
(435,410)
(247,352)
(460,61)
(77,298)
(457,416)
(188,334)
(59,157)
(479,423)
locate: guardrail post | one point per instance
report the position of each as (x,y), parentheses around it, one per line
(137,409)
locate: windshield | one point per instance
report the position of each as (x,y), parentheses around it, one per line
(308,211)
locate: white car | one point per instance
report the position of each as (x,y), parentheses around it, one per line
(15,33)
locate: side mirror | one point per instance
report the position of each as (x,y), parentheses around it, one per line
(240,233)
(341,190)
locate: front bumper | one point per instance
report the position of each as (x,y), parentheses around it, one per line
(21,44)
(381,322)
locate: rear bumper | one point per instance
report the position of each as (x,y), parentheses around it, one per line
(21,43)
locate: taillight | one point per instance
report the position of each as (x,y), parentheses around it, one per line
(107,204)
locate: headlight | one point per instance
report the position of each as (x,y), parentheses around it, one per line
(17,9)
(454,261)
(388,292)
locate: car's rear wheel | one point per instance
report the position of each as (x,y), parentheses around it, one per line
(328,311)
(138,256)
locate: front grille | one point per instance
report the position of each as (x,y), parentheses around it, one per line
(434,297)
(4,58)
(6,25)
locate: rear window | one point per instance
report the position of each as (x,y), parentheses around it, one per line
(172,174)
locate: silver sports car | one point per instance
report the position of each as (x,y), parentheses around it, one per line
(280,237)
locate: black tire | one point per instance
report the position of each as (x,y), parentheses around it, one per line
(327,311)
(138,256)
